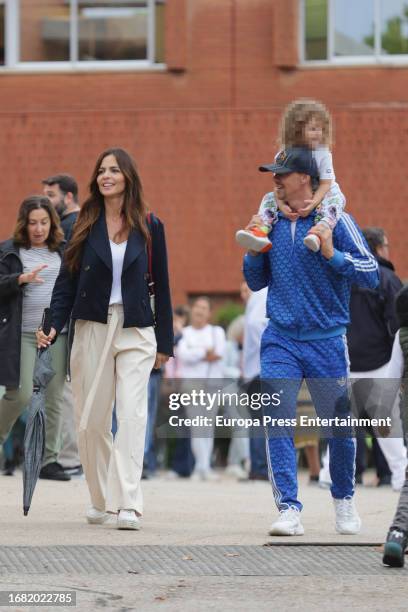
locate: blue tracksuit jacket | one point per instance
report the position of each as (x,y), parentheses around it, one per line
(308,296)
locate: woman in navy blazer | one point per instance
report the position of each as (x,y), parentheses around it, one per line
(103,285)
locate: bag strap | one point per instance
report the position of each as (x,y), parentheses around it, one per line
(149,253)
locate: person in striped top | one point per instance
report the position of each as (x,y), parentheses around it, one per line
(29,265)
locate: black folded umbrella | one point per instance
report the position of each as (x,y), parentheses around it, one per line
(34,438)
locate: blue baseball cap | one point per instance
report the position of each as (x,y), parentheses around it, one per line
(293,160)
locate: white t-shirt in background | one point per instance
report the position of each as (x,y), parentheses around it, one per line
(255,324)
(192,348)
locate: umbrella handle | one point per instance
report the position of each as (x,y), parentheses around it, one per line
(45,326)
(46,321)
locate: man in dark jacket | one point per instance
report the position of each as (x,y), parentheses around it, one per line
(370,338)
(373,317)
(62,191)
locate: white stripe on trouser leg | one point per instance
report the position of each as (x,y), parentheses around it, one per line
(276,493)
(348,365)
(124,359)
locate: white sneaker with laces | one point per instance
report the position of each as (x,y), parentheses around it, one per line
(128,519)
(97,517)
(288,523)
(312,242)
(348,521)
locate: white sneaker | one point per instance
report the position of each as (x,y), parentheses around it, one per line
(171,475)
(253,240)
(348,521)
(397,481)
(209,475)
(288,523)
(236,471)
(96,517)
(128,519)
(312,242)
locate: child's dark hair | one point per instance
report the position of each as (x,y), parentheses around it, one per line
(295,117)
(401,306)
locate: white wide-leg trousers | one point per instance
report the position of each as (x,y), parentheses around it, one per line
(112,364)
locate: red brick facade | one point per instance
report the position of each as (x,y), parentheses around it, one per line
(199,130)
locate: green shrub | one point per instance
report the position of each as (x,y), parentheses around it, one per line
(226,313)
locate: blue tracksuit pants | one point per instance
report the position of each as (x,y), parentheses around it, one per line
(324,364)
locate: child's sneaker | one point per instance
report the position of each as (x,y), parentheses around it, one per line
(312,242)
(254,239)
(394,548)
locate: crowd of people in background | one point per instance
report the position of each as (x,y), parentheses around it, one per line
(202,352)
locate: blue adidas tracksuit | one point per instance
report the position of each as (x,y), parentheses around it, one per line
(308,311)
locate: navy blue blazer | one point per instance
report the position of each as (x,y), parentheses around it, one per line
(86,293)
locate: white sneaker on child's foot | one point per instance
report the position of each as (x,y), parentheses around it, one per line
(348,521)
(312,242)
(128,519)
(288,523)
(253,240)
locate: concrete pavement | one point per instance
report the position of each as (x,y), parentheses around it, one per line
(184,512)
(198,516)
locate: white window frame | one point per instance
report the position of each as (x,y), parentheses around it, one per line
(377,59)
(12,47)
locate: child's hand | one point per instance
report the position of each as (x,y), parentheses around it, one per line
(310,206)
(287,211)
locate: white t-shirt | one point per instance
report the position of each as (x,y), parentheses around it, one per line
(255,323)
(324,163)
(395,366)
(192,348)
(118,255)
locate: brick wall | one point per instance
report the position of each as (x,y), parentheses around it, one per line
(199,130)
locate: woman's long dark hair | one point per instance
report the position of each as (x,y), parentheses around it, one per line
(37,202)
(134,208)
